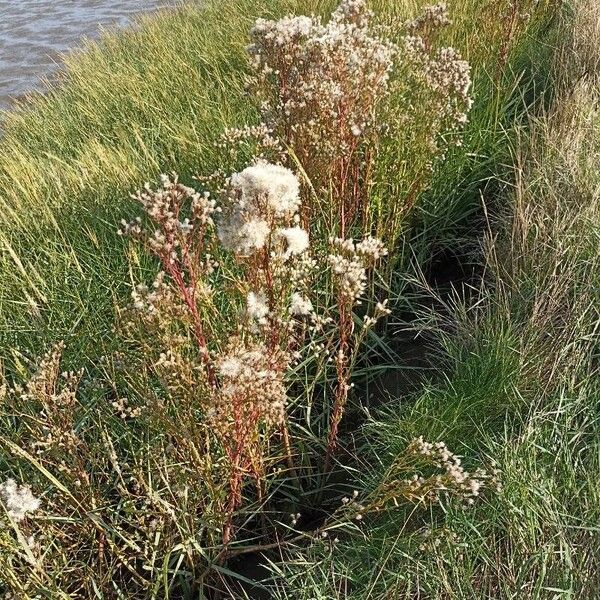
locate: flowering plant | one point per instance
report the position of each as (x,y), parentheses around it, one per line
(247,361)
(239,358)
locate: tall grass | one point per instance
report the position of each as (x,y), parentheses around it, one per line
(520,387)
(514,384)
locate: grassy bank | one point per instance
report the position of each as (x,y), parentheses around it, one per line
(496,267)
(521,388)
(154,100)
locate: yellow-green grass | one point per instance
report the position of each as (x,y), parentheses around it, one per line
(516,381)
(154,99)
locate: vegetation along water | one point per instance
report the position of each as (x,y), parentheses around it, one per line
(299,300)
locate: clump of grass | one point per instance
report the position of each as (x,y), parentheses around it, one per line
(520,389)
(215,411)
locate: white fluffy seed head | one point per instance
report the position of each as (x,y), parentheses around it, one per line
(273,183)
(263,197)
(296,239)
(257,306)
(18,499)
(300,306)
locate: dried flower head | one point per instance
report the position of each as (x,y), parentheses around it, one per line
(300,306)
(447,77)
(432,17)
(18,500)
(296,240)
(251,386)
(262,197)
(350,261)
(320,84)
(257,306)
(270,188)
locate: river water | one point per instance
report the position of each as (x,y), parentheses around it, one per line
(34,33)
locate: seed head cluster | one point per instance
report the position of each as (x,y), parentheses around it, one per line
(262,197)
(432,17)
(454,479)
(252,386)
(18,500)
(296,240)
(321,82)
(257,306)
(434,474)
(300,306)
(164,206)
(53,394)
(425,473)
(349,262)
(442,72)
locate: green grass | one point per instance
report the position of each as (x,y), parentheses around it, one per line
(514,380)
(138,104)
(520,388)
(153,100)
(537,538)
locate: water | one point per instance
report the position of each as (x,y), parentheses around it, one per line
(33,34)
